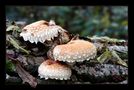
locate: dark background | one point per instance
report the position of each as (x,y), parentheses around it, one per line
(109,21)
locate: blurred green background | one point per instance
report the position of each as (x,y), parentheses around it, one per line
(109,21)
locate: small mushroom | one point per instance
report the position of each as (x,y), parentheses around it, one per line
(75,51)
(41,31)
(51,69)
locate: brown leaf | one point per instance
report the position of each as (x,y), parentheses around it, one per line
(31,60)
(25,76)
(22,59)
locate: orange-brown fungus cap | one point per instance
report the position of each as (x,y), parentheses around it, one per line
(41,31)
(50,69)
(75,51)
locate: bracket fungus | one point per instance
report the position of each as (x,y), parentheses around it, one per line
(75,51)
(41,31)
(51,69)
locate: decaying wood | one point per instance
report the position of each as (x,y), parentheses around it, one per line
(84,72)
(101,72)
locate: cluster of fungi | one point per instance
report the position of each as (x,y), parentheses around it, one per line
(67,50)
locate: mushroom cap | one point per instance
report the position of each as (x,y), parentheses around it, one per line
(41,31)
(75,51)
(50,69)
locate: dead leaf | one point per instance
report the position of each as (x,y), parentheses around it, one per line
(22,59)
(25,76)
(15,44)
(105,56)
(32,60)
(119,60)
(106,39)
(12,28)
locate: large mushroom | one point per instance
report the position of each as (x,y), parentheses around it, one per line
(75,51)
(51,69)
(41,31)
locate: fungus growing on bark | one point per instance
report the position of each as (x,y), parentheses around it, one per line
(41,31)
(51,69)
(75,51)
